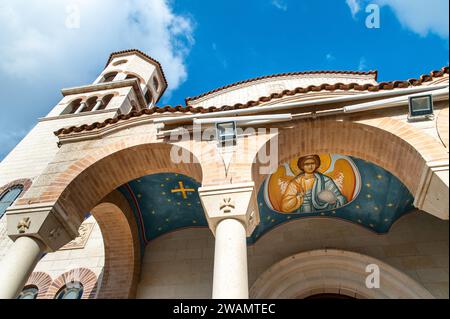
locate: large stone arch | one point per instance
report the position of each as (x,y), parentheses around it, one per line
(88,179)
(389,143)
(333,271)
(121,246)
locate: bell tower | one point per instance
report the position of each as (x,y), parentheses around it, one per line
(131,81)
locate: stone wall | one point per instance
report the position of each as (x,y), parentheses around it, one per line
(180,264)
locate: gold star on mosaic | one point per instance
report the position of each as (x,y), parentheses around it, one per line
(359,221)
(167,220)
(390,205)
(386,220)
(333,212)
(273,220)
(163,193)
(368,185)
(162,185)
(357,207)
(369,196)
(371,225)
(289,217)
(379,176)
(194,222)
(139,195)
(375,208)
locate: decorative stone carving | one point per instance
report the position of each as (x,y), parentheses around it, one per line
(48,223)
(237,201)
(24,225)
(80,242)
(227,205)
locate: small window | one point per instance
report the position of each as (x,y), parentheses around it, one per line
(73,106)
(8,198)
(156,84)
(120,62)
(72,290)
(109,77)
(29,292)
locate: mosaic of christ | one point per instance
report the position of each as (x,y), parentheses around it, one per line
(313,183)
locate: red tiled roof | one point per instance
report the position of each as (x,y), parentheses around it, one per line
(312,88)
(375,73)
(142,54)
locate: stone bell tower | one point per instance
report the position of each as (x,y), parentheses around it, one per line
(130,81)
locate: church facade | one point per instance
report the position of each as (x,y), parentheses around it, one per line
(296,185)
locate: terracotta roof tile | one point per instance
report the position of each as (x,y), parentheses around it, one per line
(312,88)
(139,52)
(375,73)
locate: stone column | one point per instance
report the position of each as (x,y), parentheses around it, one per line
(81,108)
(18,264)
(230,261)
(97,105)
(35,229)
(232,215)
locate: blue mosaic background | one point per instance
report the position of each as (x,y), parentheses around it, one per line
(166,202)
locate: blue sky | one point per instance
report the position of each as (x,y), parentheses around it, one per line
(204,44)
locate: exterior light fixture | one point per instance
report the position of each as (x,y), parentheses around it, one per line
(226,132)
(420,106)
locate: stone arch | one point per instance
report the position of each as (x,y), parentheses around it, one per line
(42,281)
(121,246)
(389,143)
(333,271)
(87,278)
(79,188)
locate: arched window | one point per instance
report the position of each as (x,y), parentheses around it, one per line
(155,84)
(109,77)
(120,62)
(106,99)
(72,290)
(29,292)
(148,97)
(131,76)
(90,103)
(73,106)
(8,198)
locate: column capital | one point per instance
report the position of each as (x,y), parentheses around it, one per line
(236,201)
(432,192)
(48,223)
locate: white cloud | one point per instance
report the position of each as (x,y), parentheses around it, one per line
(39,54)
(354,7)
(330,57)
(280,4)
(422,17)
(35,40)
(362,66)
